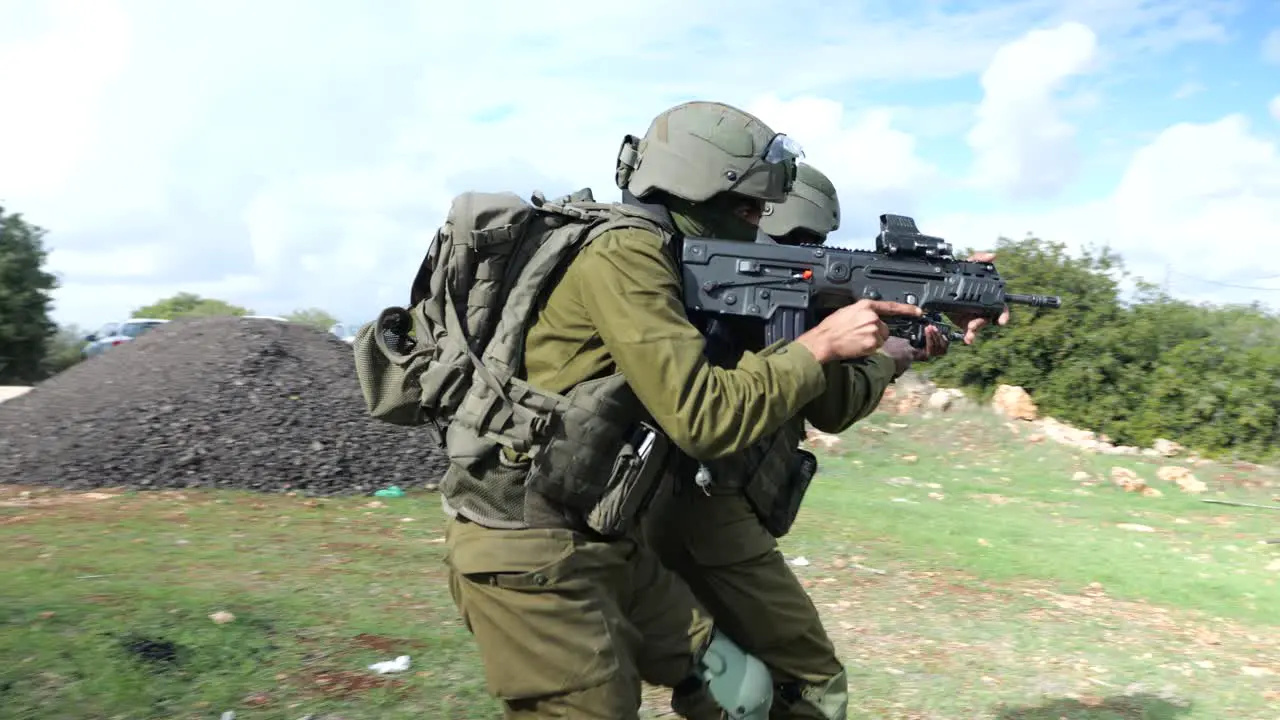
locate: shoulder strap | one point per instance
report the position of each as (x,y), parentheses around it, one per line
(499,401)
(559,248)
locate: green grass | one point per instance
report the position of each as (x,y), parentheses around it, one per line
(1009,510)
(1009,594)
(319,590)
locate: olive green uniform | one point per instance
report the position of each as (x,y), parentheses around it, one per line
(568,624)
(547,343)
(716,542)
(714,539)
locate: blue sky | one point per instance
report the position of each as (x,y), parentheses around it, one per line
(287,154)
(1194,82)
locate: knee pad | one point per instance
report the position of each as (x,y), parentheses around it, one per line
(738,682)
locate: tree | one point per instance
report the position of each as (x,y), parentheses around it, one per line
(1202,375)
(25,300)
(1040,347)
(63,350)
(187,305)
(313,317)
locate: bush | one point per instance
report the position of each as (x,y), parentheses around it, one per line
(1206,376)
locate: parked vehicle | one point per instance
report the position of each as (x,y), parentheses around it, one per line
(113,334)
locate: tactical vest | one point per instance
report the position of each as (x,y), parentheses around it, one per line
(453,360)
(774,473)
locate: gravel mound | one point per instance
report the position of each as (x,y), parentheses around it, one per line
(213,402)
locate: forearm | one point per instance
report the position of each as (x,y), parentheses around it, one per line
(854,390)
(632,293)
(712,412)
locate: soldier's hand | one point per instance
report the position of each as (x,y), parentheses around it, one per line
(900,351)
(854,331)
(903,354)
(972,323)
(936,344)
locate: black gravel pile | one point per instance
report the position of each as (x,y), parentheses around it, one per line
(216,402)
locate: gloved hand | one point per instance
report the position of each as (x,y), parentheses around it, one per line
(935,345)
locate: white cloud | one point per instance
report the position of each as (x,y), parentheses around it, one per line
(1274,107)
(287,154)
(1202,200)
(1020,142)
(1271,47)
(55,78)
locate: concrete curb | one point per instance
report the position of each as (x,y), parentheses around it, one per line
(9,392)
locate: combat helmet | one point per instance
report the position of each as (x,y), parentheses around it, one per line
(697,150)
(811,210)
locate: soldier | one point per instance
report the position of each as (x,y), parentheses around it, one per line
(716,538)
(569,613)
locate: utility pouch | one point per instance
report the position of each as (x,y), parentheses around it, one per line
(637,474)
(778,513)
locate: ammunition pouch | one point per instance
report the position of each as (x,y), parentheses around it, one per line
(773,475)
(778,505)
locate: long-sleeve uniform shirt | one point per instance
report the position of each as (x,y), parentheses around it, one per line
(554,614)
(618,307)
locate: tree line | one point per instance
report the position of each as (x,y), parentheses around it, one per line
(1149,366)
(1136,369)
(34,348)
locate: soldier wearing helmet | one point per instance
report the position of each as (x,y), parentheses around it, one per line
(716,539)
(569,621)
(810,213)
(722,540)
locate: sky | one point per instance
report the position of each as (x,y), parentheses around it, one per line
(285,155)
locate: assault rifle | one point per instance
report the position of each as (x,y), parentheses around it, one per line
(792,287)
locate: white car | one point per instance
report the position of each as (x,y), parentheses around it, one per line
(113,334)
(341,331)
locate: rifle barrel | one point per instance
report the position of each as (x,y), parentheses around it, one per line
(1049,301)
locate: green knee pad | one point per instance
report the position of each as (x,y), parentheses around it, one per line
(738,682)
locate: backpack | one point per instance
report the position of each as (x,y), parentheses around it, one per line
(416,365)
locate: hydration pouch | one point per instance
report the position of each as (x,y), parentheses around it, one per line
(637,474)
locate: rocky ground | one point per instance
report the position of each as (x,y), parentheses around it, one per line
(913,394)
(215,402)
